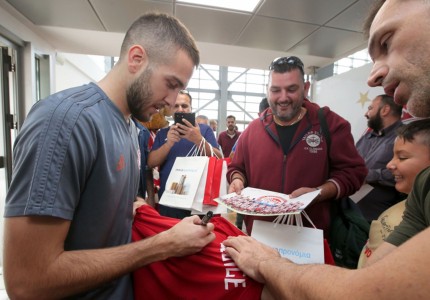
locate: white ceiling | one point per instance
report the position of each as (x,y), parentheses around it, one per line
(318,31)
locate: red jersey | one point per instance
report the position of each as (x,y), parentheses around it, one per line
(209,274)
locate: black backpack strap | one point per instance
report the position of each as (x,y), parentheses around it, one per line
(324,128)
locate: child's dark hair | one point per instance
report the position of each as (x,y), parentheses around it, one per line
(410,131)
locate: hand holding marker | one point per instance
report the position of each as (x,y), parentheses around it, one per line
(207,218)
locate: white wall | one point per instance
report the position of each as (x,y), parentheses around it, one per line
(19,33)
(22,33)
(75,70)
(348,95)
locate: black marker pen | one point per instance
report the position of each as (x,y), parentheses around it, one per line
(207,218)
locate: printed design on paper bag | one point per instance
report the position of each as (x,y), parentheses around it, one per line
(183,182)
(293,252)
(313,139)
(253,201)
(178,188)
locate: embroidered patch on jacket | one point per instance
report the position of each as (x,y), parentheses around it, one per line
(313,139)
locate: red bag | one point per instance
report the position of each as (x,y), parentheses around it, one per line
(213,181)
(207,199)
(209,274)
(328,257)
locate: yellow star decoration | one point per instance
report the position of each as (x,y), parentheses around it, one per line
(363,99)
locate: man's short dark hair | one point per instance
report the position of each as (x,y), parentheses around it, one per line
(160,35)
(410,131)
(374,8)
(185,92)
(395,108)
(231,117)
(287,64)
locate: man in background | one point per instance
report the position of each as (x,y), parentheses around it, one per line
(376,148)
(177,141)
(214,125)
(228,138)
(202,119)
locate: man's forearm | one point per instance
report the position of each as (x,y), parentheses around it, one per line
(291,281)
(150,188)
(328,190)
(73,272)
(158,157)
(218,152)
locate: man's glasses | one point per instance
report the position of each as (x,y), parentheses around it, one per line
(285,63)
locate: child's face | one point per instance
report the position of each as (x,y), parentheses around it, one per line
(408,160)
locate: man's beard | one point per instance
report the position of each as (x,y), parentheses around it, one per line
(139,95)
(295,108)
(375,123)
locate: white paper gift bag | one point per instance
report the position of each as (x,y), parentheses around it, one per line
(186,184)
(187,174)
(299,244)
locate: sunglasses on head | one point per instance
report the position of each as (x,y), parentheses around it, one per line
(283,63)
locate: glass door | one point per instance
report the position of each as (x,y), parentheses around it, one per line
(8,130)
(6,121)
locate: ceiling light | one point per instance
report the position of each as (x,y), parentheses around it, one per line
(242,5)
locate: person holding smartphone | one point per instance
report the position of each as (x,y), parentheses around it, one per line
(177,141)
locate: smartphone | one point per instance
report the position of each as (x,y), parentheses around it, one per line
(190,117)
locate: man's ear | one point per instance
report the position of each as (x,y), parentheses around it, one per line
(137,58)
(385,110)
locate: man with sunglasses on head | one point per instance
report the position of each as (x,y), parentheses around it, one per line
(399,47)
(177,141)
(293,156)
